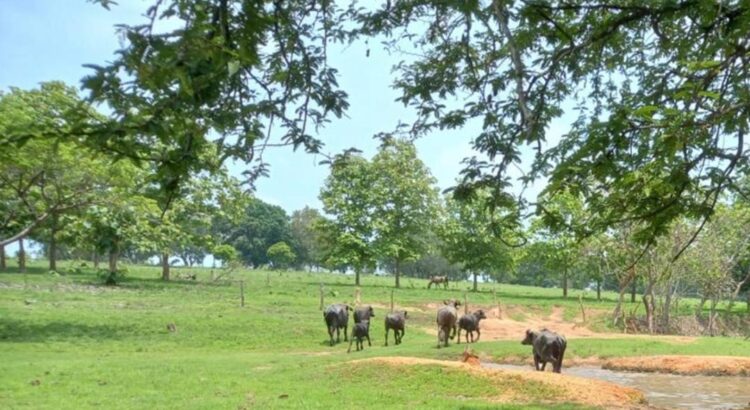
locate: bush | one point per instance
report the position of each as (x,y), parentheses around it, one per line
(281,255)
(112,278)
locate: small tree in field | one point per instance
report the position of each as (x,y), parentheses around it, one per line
(228,256)
(281,255)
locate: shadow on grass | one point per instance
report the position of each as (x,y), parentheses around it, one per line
(12,330)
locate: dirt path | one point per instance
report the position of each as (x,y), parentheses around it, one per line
(502,327)
(572,389)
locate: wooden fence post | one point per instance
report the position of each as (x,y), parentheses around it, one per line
(357,296)
(391,300)
(583,311)
(321,297)
(466,304)
(494,297)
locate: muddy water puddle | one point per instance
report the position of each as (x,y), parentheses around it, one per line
(668,390)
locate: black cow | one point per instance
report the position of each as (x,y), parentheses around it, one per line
(362,313)
(547,346)
(397,322)
(337,317)
(447,317)
(470,323)
(360,331)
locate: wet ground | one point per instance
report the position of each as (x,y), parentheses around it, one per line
(667,390)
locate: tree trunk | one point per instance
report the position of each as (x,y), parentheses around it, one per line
(475,281)
(53,244)
(599,290)
(113,255)
(665,318)
(356,277)
(737,290)
(712,316)
(95,258)
(565,282)
(398,274)
(699,308)
(165,266)
(632,290)
(649,304)
(3,264)
(21,256)
(623,284)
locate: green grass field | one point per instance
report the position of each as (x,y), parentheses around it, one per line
(68,342)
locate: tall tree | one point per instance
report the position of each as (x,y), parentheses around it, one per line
(185,227)
(561,225)
(469,239)
(405,202)
(306,239)
(43,177)
(348,197)
(260,226)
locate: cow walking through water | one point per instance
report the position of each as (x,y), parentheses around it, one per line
(336,317)
(447,316)
(547,346)
(438,280)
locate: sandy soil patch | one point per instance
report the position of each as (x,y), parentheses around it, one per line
(688,365)
(500,326)
(572,388)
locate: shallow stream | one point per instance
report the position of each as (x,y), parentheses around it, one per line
(668,390)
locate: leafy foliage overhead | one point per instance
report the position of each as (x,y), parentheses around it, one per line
(658,90)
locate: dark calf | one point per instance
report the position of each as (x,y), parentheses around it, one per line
(360,331)
(336,317)
(397,322)
(470,323)
(547,347)
(446,321)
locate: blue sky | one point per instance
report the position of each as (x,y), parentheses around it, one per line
(43,40)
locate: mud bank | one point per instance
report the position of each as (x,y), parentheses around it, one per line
(684,365)
(570,389)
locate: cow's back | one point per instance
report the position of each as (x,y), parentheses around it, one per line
(549,345)
(446,316)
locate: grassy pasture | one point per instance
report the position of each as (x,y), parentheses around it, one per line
(66,342)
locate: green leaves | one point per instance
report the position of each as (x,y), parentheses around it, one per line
(382,208)
(281,255)
(646,87)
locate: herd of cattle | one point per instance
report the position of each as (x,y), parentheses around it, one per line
(547,346)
